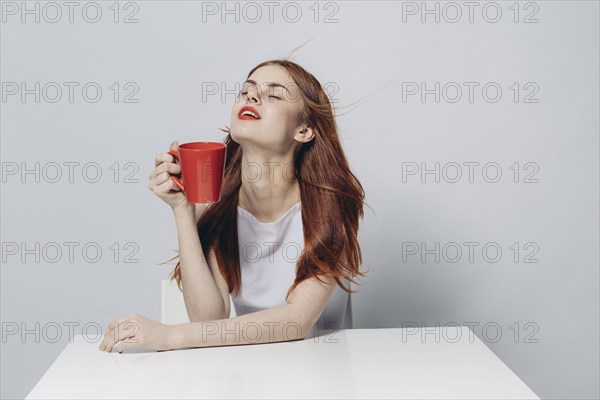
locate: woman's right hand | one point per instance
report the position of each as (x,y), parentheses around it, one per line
(163,185)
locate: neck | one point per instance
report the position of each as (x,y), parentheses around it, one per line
(269,186)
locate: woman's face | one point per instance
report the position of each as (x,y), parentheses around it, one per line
(275,99)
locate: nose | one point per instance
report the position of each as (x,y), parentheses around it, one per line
(252,95)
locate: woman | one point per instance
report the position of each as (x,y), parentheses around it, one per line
(283,239)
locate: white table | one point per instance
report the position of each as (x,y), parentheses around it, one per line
(364,363)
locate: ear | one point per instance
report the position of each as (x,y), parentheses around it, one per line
(305,134)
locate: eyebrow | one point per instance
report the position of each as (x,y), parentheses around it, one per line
(272,84)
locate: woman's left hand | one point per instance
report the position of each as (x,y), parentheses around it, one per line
(137,331)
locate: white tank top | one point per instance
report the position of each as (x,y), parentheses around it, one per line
(268,255)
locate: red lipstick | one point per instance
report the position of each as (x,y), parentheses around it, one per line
(247,115)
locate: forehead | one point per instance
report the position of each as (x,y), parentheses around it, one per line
(273,73)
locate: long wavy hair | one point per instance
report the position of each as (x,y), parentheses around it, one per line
(331,197)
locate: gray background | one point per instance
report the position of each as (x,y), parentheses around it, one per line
(170,52)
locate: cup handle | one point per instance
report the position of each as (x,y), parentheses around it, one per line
(176,179)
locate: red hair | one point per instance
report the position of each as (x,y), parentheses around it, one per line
(331,197)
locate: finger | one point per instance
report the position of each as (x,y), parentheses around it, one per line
(167,186)
(126,344)
(110,331)
(174,146)
(113,332)
(162,178)
(125,331)
(156,171)
(159,180)
(169,167)
(163,157)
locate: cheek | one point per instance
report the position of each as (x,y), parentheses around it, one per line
(292,116)
(286,122)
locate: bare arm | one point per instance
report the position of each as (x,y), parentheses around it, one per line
(205,291)
(205,297)
(291,321)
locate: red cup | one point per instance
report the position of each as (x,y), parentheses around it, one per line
(202,169)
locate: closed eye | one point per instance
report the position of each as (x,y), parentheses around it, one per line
(276,97)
